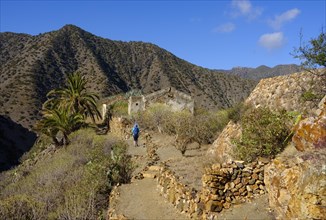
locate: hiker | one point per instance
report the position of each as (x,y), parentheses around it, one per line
(135,133)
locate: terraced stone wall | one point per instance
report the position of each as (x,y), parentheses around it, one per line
(223,185)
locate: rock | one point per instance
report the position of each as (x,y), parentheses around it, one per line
(263,160)
(222,148)
(261,177)
(255,176)
(237,180)
(149,175)
(242,189)
(171,196)
(310,133)
(213,206)
(254,187)
(296,185)
(154,168)
(252,182)
(227,205)
(180,205)
(216,166)
(240,165)
(249,189)
(220,192)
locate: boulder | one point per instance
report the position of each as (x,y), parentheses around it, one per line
(297,185)
(222,148)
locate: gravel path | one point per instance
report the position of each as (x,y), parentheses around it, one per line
(141,200)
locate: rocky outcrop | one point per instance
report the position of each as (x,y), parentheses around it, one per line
(287,92)
(296,184)
(310,133)
(222,148)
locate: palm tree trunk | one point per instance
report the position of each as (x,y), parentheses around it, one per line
(65,139)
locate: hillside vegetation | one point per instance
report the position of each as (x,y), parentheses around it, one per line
(65,183)
(31,66)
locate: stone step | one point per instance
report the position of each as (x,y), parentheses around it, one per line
(149,174)
(154,168)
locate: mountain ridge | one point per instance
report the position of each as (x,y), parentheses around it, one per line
(263,71)
(33,65)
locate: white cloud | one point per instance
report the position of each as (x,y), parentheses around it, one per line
(245,8)
(279,20)
(225,28)
(272,41)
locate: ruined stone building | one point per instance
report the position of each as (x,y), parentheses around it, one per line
(177,100)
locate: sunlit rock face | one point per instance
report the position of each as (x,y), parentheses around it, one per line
(310,133)
(296,184)
(222,149)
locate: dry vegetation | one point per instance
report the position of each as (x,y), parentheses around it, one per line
(66,183)
(203,127)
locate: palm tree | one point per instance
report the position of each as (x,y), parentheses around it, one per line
(67,108)
(74,97)
(59,120)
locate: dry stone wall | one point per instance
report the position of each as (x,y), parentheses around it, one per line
(231,183)
(112,214)
(285,92)
(222,185)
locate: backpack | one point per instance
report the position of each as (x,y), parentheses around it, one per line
(135,130)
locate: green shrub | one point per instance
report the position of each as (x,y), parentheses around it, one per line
(120,165)
(235,113)
(309,96)
(264,133)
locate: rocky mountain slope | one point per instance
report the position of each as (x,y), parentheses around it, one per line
(30,66)
(263,71)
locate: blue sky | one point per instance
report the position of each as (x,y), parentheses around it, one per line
(211,34)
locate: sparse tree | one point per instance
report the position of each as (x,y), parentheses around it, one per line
(312,55)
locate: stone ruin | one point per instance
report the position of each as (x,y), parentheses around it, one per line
(177,100)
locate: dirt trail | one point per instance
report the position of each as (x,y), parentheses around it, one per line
(141,199)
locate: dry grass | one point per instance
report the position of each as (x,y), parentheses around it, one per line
(64,183)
